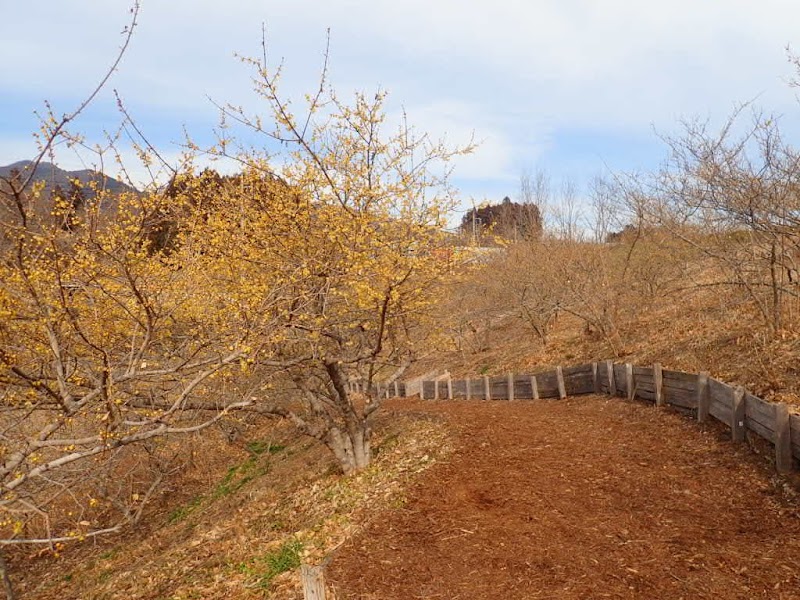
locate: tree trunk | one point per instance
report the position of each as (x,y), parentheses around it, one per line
(7,587)
(352,448)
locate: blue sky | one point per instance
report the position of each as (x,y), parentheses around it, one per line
(574,87)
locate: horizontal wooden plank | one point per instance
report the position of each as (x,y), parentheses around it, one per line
(459,387)
(578,370)
(721,412)
(720,392)
(794,421)
(681,388)
(644,385)
(759,429)
(499,389)
(476,388)
(642,372)
(689,386)
(547,379)
(760,410)
(582,384)
(681,398)
(680,377)
(522,388)
(647,380)
(759,417)
(646,395)
(428,389)
(548,392)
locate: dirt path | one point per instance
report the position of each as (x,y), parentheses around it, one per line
(585,498)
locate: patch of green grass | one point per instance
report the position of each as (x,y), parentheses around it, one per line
(265,568)
(105,576)
(238,476)
(180,513)
(259,447)
(234,479)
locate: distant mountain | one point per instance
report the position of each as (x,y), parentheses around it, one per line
(54,176)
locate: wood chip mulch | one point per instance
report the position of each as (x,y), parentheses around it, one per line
(584,498)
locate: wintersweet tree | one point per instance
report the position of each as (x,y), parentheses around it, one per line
(104,344)
(349,227)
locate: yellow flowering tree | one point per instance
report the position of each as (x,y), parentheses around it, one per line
(348,228)
(103,344)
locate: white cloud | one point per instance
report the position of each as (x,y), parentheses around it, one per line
(517,72)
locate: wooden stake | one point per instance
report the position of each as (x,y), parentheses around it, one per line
(468,380)
(510,386)
(783,439)
(629,380)
(562,389)
(313,580)
(449,388)
(658,379)
(487,390)
(703,397)
(534,387)
(396,390)
(612,386)
(596,378)
(737,417)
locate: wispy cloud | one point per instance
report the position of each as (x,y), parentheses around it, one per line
(567,83)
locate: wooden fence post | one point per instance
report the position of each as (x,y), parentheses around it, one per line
(658,379)
(510,386)
(469,381)
(396,389)
(783,439)
(612,386)
(534,387)
(629,380)
(487,390)
(313,580)
(449,388)
(737,417)
(436,389)
(562,389)
(596,378)
(703,397)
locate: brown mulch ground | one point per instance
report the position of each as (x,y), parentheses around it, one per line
(585,498)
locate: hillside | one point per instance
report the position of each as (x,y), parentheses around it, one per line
(667,308)
(53,177)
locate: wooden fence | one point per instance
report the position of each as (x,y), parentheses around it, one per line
(699,394)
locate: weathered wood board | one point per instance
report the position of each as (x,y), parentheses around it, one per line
(721,396)
(680,397)
(680,381)
(428,389)
(459,389)
(499,387)
(795,424)
(522,387)
(759,416)
(476,391)
(548,384)
(620,379)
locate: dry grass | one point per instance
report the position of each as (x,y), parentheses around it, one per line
(697,332)
(240,517)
